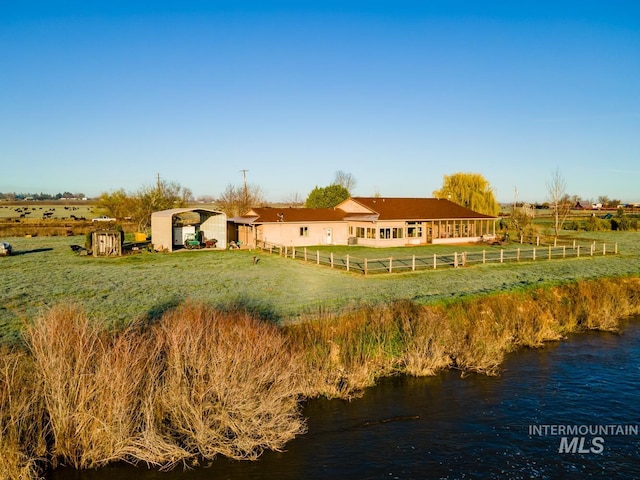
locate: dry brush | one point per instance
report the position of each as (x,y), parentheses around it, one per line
(202,382)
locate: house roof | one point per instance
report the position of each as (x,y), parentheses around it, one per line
(293,215)
(414,208)
(367,209)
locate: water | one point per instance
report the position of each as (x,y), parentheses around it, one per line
(447,427)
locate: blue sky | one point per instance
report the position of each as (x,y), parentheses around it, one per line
(97,96)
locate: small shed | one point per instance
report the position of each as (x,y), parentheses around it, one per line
(106,243)
(171,229)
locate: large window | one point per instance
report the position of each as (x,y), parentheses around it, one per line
(304,231)
(397,232)
(414,229)
(385,233)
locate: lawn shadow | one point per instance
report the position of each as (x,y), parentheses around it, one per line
(155,313)
(254,306)
(35,250)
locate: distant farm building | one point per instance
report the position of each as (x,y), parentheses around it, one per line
(180,228)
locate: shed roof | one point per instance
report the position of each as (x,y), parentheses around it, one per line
(176,211)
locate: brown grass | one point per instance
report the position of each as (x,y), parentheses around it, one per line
(23,446)
(202,383)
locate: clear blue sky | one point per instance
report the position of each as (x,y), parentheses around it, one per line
(97,96)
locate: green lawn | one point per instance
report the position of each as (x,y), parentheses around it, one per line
(45,271)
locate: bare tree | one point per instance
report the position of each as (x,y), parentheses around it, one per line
(162,196)
(345,180)
(559,201)
(236,201)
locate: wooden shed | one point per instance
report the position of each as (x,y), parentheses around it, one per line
(106,243)
(171,229)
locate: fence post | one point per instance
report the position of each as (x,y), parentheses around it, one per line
(555,242)
(366,268)
(604,249)
(564,251)
(484,256)
(550,251)
(293,252)
(435,261)
(534,253)
(574,244)
(413,263)
(592,248)
(305,254)
(518,254)
(538,241)
(578,251)
(331,257)
(318,257)
(455,259)
(390,264)
(521,239)
(615,248)
(347,262)
(501,255)
(464,259)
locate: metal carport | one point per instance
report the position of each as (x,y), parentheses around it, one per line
(169,226)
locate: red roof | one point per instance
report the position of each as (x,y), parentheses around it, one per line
(268,215)
(417,208)
(412,209)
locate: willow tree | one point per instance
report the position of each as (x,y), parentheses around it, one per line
(470,190)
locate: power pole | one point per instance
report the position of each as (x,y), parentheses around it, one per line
(246,191)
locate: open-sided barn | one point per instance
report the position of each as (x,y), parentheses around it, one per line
(178,228)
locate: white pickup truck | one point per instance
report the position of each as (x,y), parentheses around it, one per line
(103,218)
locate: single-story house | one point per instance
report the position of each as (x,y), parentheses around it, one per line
(171,229)
(371,221)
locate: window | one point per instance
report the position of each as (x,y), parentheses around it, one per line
(398,232)
(304,231)
(360,232)
(371,233)
(414,229)
(385,233)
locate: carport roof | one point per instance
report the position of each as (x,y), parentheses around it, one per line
(176,211)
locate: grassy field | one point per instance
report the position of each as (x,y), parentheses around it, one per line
(179,382)
(45,272)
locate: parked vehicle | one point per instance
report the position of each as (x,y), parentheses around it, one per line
(5,249)
(103,218)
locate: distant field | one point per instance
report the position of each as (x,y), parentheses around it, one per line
(57,210)
(45,272)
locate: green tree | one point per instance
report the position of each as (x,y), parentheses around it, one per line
(116,204)
(326,197)
(470,190)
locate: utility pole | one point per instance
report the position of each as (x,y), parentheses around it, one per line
(246,192)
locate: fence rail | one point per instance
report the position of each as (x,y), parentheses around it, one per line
(368,266)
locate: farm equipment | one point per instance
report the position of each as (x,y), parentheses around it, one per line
(5,249)
(192,240)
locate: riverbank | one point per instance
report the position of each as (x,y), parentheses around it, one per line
(202,382)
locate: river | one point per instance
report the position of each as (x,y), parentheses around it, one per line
(448,427)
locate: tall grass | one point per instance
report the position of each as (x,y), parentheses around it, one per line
(202,383)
